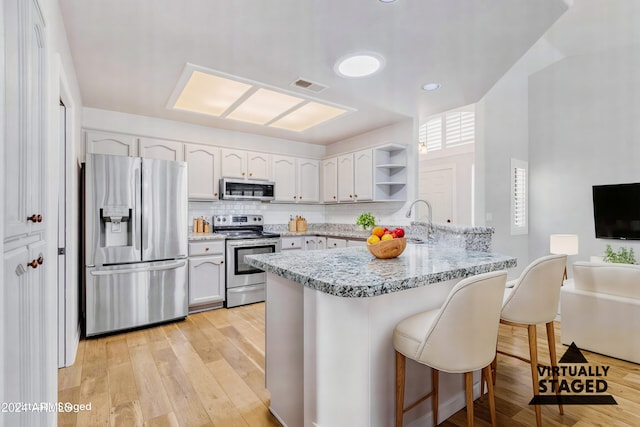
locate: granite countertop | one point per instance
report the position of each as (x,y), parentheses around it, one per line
(354,272)
(342,234)
(206,236)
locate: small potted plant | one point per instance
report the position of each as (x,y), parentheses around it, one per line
(366,220)
(623,256)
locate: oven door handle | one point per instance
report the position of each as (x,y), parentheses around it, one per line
(251,242)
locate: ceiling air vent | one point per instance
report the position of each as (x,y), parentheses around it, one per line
(308,85)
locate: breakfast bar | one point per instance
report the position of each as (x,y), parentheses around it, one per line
(330,317)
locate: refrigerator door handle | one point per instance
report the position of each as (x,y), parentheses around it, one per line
(171,266)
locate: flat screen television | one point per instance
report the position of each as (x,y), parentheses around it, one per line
(616,211)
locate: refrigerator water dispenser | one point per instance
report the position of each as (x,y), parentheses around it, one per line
(116,226)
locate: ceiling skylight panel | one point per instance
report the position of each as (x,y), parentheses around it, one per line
(263,106)
(309,115)
(209,94)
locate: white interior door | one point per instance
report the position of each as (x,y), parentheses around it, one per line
(437,185)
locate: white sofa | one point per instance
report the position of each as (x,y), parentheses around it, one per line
(600,309)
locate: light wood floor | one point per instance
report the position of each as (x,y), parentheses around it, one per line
(209,371)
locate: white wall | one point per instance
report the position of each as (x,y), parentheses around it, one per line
(160,128)
(583,130)
(503,134)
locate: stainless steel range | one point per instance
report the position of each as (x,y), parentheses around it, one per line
(245,236)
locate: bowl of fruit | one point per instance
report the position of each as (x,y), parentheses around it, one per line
(385,243)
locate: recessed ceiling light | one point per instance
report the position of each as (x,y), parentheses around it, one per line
(359,65)
(431,86)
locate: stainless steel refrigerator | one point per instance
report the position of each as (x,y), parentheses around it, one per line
(135,242)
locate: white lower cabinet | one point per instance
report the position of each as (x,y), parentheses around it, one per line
(206,275)
(333,243)
(315,242)
(295,243)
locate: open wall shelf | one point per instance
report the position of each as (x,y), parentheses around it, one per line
(390,173)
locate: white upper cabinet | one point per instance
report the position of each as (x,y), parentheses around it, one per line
(355,176)
(204,171)
(243,164)
(363,175)
(258,166)
(330,180)
(308,180)
(111,143)
(284,176)
(296,179)
(25,149)
(161,149)
(345,178)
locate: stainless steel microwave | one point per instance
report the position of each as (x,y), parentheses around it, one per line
(241,189)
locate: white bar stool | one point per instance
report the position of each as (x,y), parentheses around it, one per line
(532,300)
(459,337)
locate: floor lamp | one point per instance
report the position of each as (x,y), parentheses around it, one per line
(566,244)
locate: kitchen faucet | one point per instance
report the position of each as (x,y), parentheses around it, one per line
(429,213)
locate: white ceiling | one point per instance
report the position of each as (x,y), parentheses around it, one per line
(129,55)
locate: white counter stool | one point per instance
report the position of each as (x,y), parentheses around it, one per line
(459,337)
(533,300)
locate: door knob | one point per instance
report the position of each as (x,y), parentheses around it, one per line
(33,264)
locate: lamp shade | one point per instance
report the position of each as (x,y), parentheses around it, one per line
(563,244)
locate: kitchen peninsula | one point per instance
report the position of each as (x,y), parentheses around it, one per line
(330,317)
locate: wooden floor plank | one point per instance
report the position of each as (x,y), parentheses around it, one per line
(126,414)
(209,370)
(151,393)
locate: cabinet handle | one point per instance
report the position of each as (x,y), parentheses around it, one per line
(355,195)
(350,196)
(215,194)
(334,197)
(294,197)
(292,244)
(221,262)
(250,173)
(307,242)
(35,218)
(243,174)
(33,264)
(40,260)
(206,249)
(299,197)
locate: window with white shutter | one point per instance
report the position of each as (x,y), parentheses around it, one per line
(449,129)
(519,197)
(460,128)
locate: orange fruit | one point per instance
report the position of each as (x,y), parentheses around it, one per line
(373,239)
(377,231)
(386,237)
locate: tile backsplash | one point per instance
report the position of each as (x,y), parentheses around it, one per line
(279,213)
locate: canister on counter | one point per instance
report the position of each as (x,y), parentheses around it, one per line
(292,224)
(200,225)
